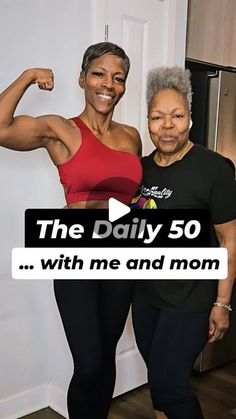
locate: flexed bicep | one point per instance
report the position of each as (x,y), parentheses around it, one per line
(27,133)
(24,132)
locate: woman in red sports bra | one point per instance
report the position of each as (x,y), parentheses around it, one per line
(97,158)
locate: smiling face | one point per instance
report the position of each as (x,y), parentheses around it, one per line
(104,83)
(168,121)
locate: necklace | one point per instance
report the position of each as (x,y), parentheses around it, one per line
(178,156)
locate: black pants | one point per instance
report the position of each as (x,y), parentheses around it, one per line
(169,343)
(93,314)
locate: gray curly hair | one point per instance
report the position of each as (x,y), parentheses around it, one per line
(169,78)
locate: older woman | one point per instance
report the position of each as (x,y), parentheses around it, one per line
(97,158)
(173,320)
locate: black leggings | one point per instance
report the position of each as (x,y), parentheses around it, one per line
(93,315)
(169,343)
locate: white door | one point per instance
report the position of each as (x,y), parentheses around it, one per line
(153,33)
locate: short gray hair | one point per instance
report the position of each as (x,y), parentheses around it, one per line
(169,78)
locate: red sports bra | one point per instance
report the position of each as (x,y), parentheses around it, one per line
(97,172)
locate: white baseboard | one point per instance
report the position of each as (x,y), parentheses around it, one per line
(57,400)
(131,373)
(30,401)
(24,403)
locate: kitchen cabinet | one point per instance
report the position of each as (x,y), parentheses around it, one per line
(211,31)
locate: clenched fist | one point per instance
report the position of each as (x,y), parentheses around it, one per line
(43,77)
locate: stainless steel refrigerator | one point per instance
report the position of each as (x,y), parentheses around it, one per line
(214,108)
(214,127)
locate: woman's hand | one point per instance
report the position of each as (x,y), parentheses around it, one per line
(218,323)
(44,78)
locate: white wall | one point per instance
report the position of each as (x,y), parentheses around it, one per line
(52,34)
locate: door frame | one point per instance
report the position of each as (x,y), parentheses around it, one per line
(98,20)
(176,28)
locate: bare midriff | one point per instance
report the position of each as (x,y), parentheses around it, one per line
(89,204)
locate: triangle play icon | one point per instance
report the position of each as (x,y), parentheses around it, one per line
(116,209)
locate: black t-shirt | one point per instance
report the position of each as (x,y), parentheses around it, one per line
(202,179)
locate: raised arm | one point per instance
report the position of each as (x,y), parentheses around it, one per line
(24,132)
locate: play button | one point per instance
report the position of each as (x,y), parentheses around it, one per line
(116,209)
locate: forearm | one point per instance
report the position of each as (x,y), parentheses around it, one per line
(10,97)
(225,286)
(219,317)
